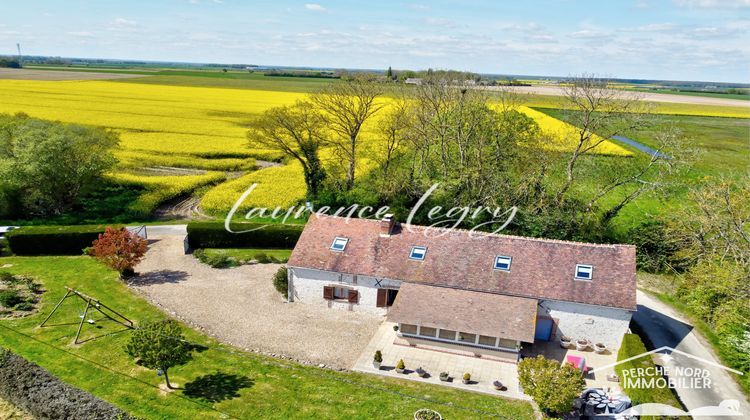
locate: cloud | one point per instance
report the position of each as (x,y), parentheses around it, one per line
(713,4)
(81,34)
(587,34)
(315,7)
(418,6)
(438,22)
(124,22)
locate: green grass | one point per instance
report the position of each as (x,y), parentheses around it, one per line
(721,146)
(246,254)
(633,346)
(277,388)
(743,97)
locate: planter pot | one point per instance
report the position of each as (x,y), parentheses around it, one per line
(400,370)
(376,365)
(600,348)
(465,381)
(426,413)
(582,345)
(499,386)
(445,378)
(421,373)
(566,344)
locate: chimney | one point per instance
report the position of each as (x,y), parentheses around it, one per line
(386,225)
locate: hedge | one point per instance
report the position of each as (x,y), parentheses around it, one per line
(53,240)
(214,235)
(30,387)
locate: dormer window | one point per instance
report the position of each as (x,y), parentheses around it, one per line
(339,243)
(584,272)
(418,253)
(502,263)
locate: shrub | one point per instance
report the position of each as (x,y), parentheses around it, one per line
(552,386)
(215,260)
(35,390)
(10,298)
(281,281)
(119,249)
(262,258)
(7,278)
(213,235)
(53,240)
(160,345)
(400,365)
(378,356)
(467,377)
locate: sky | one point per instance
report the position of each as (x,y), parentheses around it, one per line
(707,40)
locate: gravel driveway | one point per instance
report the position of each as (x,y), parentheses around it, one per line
(239,306)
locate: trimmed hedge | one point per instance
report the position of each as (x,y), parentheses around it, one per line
(30,387)
(213,235)
(53,240)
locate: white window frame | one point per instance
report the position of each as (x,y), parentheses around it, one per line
(585,267)
(498,258)
(418,248)
(337,242)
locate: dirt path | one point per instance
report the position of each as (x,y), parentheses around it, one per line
(29,74)
(239,306)
(647,96)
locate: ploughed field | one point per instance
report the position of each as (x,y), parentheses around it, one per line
(166,127)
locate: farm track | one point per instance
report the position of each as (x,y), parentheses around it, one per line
(181,208)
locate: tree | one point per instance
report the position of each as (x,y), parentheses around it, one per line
(345,107)
(389,73)
(281,281)
(160,345)
(119,249)
(553,387)
(49,163)
(598,112)
(297,132)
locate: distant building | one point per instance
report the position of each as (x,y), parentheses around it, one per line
(413,81)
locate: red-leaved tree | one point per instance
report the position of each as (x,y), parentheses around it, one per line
(119,249)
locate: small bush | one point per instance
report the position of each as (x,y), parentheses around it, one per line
(215,260)
(25,306)
(35,390)
(401,365)
(214,235)
(263,258)
(10,298)
(467,377)
(378,356)
(7,278)
(53,240)
(281,281)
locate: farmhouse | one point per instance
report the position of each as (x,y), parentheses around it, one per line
(487,293)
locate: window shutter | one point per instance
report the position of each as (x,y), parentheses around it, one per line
(353,296)
(382,300)
(328,292)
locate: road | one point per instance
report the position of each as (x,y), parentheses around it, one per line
(664,327)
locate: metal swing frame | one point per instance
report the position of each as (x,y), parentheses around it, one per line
(91,303)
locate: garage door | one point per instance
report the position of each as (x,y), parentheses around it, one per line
(543,329)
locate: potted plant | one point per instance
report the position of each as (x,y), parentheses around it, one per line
(600,348)
(377,359)
(499,386)
(582,344)
(566,342)
(400,366)
(427,414)
(421,372)
(395,328)
(467,378)
(444,376)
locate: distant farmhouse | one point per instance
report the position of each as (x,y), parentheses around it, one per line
(413,81)
(487,292)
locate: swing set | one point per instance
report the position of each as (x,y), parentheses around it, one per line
(91,303)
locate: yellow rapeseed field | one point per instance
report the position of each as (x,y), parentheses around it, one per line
(193,127)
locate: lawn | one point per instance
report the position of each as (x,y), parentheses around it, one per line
(633,346)
(251,386)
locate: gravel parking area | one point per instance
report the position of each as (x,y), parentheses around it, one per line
(239,306)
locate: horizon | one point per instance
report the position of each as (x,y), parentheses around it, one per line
(679,40)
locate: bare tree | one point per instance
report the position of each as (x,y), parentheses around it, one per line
(346,106)
(598,112)
(297,132)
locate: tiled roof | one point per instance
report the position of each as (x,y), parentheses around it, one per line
(489,314)
(540,269)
